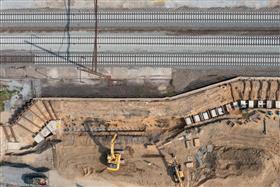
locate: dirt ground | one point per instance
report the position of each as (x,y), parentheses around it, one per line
(246,154)
(84,158)
(240,160)
(236,158)
(241,155)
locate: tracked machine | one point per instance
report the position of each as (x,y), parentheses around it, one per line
(176,171)
(113,158)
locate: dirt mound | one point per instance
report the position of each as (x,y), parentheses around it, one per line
(222,162)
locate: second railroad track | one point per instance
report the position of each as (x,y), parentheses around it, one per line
(144,19)
(219,40)
(188,60)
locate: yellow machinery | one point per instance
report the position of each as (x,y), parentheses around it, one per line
(178,174)
(113,159)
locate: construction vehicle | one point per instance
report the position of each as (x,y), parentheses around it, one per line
(177,172)
(114,158)
(36,179)
(174,168)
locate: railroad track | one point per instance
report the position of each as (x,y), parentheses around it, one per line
(196,60)
(139,16)
(143,19)
(147,40)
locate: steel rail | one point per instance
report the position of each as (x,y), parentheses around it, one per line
(148,40)
(223,60)
(140,17)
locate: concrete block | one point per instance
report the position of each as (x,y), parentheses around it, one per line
(52,125)
(213,113)
(196,118)
(188,120)
(277,104)
(38,138)
(220,111)
(251,104)
(205,115)
(189,164)
(243,104)
(268,104)
(261,104)
(189,144)
(45,132)
(196,142)
(236,105)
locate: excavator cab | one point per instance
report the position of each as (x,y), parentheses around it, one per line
(113,159)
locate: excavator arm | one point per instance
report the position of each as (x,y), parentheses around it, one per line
(113,141)
(113,159)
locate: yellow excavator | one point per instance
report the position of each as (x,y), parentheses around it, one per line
(113,159)
(177,172)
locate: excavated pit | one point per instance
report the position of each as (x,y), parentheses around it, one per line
(223,162)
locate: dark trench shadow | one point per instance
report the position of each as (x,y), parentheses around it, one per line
(166,165)
(101,148)
(19,111)
(22,165)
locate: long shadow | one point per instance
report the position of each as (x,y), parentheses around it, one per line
(101,148)
(166,164)
(172,132)
(40,148)
(177,130)
(21,165)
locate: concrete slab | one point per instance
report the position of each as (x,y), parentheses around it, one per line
(139,73)
(13,146)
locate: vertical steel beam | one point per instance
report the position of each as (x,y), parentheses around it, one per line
(94,57)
